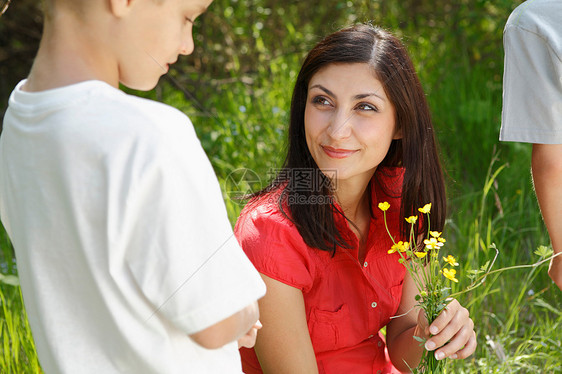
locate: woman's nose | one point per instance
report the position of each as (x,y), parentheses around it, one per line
(340,125)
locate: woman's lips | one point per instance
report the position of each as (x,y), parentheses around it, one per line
(337,152)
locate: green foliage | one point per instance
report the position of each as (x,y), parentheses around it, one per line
(17,349)
(236,88)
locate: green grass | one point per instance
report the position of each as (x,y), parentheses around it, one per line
(241,113)
(17,349)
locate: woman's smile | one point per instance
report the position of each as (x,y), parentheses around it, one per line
(338,152)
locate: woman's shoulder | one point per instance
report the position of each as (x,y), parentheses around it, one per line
(265,217)
(266,207)
(273,243)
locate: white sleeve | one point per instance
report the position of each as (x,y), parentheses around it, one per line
(183,253)
(532,89)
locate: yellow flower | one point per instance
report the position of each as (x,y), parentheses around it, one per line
(450,274)
(435,234)
(442,240)
(412,219)
(451,260)
(426,208)
(420,254)
(400,246)
(432,244)
(423,294)
(384,206)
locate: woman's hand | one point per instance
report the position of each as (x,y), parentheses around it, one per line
(451,334)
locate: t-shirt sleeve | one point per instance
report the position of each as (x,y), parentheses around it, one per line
(532,88)
(183,254)
(275,247)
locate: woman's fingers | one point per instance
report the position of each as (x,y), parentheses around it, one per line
(445,317)
(455,323)
(453,331)
(459,342)
(468,349)
(422,322)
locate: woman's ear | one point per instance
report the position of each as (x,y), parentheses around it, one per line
(397,134)
(120,8)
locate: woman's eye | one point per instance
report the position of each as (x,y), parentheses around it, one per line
(367,107)
(320,100)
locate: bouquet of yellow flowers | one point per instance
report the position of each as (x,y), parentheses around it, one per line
(432,273)
(423,263)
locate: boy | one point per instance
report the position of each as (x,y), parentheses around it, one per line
(532,105)
(126,258)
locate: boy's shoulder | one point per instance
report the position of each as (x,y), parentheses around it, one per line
(133,108)
(94,119)
(98,106)
(537,16)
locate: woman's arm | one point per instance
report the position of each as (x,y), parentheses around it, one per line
(283,344)
(450,335)
(400,331)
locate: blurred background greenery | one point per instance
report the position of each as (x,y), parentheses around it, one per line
(236,88)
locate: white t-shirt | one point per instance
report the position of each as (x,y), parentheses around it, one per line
(532,81)
(122,239)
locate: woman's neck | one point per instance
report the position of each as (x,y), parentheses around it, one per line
(353,199)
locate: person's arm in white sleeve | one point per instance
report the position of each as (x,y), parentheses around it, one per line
(547,179)
(229,329)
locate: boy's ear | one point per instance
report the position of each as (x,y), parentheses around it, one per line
(120,8)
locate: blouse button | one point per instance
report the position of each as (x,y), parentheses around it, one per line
(365,264)
(379,344)
(370,336)
(379,371)
(374,304)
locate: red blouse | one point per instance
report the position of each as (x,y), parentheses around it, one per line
(346,302)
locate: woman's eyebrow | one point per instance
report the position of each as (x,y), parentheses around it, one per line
(323,89)
(362,96)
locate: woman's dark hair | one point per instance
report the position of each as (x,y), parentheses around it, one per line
(416,151)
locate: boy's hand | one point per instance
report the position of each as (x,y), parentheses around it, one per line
(555,270)
(249,339)
(451,334)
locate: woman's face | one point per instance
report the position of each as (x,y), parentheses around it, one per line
(349,122)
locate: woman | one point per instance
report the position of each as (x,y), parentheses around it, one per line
(360,133)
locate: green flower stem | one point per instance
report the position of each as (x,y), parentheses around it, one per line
(482,278)
(386,227)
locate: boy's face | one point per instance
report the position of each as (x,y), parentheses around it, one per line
(155,34)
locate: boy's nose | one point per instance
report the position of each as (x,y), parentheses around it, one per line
(186,49)
(187,45)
